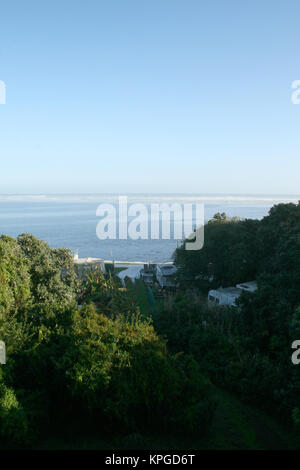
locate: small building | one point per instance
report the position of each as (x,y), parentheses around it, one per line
(131,271)
(82,264)
(147,274)
(2,352)
(224,296)
(228,295)
(147,278)
(165,275)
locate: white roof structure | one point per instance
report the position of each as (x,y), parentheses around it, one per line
(131,271)
(249,286)
(164,273)
(87,263)
(228,295)
(88,260)
(224,296)
(167,269)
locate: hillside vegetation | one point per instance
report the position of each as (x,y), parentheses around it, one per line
(94,365)
(79,356)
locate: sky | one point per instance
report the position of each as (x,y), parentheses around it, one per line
(149,96)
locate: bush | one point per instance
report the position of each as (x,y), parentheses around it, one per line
(13,419)
(98,364)
(123,374)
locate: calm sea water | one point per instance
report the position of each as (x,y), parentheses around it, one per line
(70,221)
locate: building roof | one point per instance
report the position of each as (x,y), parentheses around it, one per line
(88,261)
(167,269)
(146,273)
(231,291)
(249,286)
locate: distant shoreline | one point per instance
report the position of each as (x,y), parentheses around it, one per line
(135,262)
(206,198)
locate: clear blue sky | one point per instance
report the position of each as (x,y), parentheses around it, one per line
(149,96)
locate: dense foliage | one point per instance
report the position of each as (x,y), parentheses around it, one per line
(79,355)
(245,349)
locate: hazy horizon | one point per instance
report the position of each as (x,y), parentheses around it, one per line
(173,193)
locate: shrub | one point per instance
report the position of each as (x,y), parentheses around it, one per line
(13,419)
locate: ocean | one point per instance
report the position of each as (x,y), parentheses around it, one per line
(70,221)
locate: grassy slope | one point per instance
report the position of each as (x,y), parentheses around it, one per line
(235,427)
(239,426)
(140,294)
